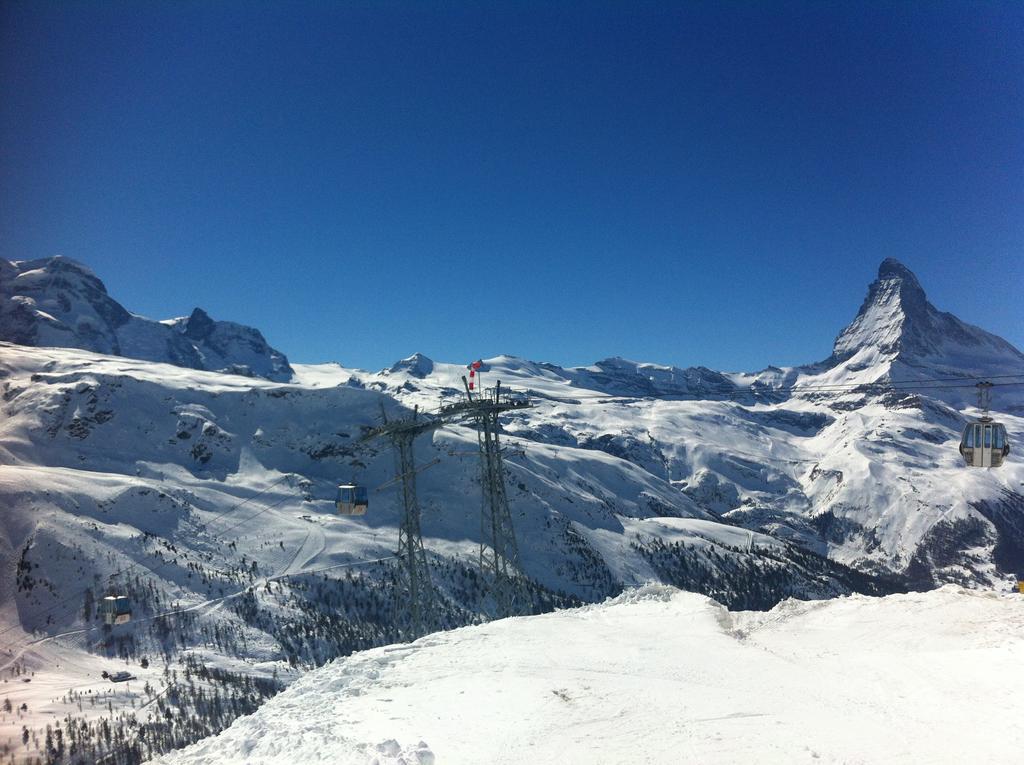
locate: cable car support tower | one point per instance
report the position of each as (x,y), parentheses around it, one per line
(421,600)
(499,553)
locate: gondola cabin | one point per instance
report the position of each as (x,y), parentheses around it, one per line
(116,609)
(984,443)
(352,499)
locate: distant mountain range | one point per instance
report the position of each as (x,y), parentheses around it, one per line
(59,302)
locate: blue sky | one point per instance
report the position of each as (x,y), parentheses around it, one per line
(688,183)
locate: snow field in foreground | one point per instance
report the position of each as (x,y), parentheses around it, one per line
(663,676)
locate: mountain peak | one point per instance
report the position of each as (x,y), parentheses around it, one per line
(911,292)
(897,320)
(893,269)
(199,325)
(60,302)
(416,365)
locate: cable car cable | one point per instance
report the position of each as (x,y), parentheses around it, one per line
(764,389)
(216,518)
(165,563)
(865,387)
(177,611)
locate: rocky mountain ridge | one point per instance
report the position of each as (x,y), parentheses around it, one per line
(60,302)
(898,320)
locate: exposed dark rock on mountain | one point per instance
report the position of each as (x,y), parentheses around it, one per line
(59,302)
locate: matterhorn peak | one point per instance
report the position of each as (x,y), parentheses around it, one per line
(893,269)
(897,321)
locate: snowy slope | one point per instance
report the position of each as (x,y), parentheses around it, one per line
(85,434)
(657,675)
(211,494)
(870,477)
(60,302)
(207,498)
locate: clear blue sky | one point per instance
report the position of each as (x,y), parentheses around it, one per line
(690,183)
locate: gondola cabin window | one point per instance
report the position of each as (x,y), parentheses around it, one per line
(115,609)
(352,499)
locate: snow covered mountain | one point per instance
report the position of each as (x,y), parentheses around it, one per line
(207,497)
(661,676)
(59,302)
(820,454)
(899,324)
(208,500)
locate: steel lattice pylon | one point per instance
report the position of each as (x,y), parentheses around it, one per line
(499,553)
(420,601)
(417,612)
(499,556)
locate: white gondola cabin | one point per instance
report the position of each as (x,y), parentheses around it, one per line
(352,499)
(116,609)
(984,443)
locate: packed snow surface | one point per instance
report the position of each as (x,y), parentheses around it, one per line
(658,675)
